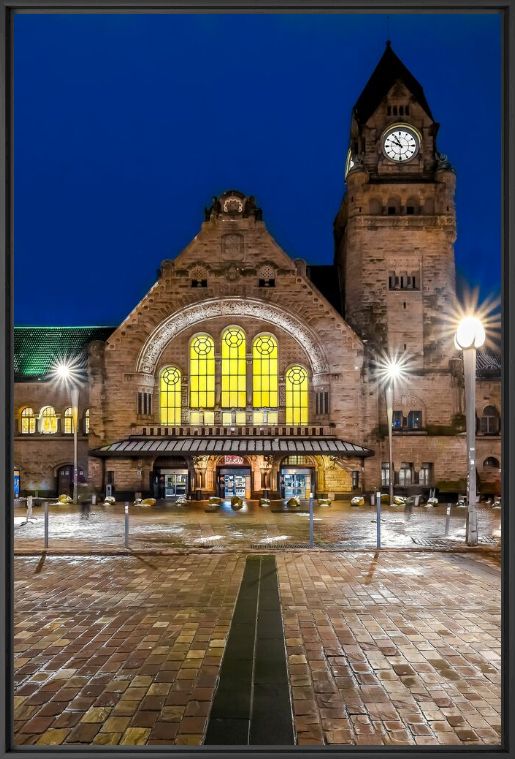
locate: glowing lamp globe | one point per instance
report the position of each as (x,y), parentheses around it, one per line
(63,371)
(470,333)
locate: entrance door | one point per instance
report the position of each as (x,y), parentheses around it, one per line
(175,483)
(65,479)
(234,482)
(296,483)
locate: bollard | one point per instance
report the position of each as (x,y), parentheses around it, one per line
(311,522)
(378,519)
(126,524)
(46,524)
(29,507)
(94,499)
(447,518)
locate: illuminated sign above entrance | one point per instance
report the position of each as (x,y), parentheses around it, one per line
(234,461)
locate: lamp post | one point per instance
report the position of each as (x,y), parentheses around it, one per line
(66,373)
(393,370)
(470,335)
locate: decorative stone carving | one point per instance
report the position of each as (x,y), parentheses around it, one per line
(230,307)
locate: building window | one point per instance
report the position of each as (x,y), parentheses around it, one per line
(265,387)
(86,422)
(198,276)
(202,418)
(202,372)
(490,422)
(425,475)
(233,418)
(322,403)
(145,404)
(27,421)
(48,420)
(385,475)
(491,463)
(266,276)
(406,475)
(199,282)
(355,480)
(297,404)
(68,421)
(265,416)
(169,396)
(234,370)
(415,420)
(397,420)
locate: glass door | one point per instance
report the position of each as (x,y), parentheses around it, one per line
(175,485)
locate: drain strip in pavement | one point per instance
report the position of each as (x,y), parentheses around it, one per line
(252,703)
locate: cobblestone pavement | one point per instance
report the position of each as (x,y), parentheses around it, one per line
(383,648)
(169,526)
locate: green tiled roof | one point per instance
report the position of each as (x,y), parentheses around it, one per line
(37,348)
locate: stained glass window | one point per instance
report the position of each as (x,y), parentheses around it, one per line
(234,391)
(202,372)
(297,395)
(47,420)
(264,381)
(170,395)
(28,421)
(68,421)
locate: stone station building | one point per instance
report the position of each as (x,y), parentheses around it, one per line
(244,371)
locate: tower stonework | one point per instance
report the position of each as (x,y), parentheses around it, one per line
(395,230)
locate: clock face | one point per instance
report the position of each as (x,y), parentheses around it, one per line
(400,143)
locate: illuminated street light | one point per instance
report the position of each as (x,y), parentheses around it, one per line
(391,369)
(67,372)
(470,335)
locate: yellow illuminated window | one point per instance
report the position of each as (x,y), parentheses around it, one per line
(297,395)
(68,421)
(47,420)
(265,416)
(86,422)
(205,418)
(234,374)
(28,421)
(170,395)
(202,372)
(264,372)
(237,418)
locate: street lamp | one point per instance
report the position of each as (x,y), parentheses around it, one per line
(66,373)
(393,371)
(470,335)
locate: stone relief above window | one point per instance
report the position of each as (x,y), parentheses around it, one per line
(199,276)
(266,276)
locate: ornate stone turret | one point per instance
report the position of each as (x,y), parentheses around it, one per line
(233,204)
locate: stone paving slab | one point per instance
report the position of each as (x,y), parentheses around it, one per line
(383,648)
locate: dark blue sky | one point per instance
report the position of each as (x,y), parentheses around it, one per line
(126,126)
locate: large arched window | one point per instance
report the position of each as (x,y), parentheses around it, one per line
(170,395)
(68,421)
(47,420)
(202,372)
(297,398)
(234,374)
(27,421)
(265,391)
(490,422)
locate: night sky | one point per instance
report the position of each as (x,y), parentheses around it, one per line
(126,126)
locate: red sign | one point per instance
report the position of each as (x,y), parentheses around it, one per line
(234,460)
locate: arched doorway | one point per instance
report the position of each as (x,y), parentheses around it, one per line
(233,477)
(297,477)
(170,477)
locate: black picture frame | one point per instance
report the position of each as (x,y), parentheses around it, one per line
(507,10)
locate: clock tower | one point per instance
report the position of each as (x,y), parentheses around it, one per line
(396,227)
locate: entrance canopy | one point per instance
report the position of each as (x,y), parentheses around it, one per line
(143,446)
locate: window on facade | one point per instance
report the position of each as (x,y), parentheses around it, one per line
(266,276)
(145,404)
(202,372)
(425,475)
(490,422)
(355,480)
(415,420)
(265,387)
(234,418)
(27,421)
(202,418)
(68,421)
(397,420)
(86,422)
(491,463)
(170,395)
(263,416)
(406,475)
(297,405)
(385,475)
(234,370)
(48,420)
(322,403)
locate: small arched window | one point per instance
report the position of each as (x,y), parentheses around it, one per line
(297,397)
(27,421)
(48,420)
(68,426)
(375,206)
(170,395)
(415,420)
(86,422)
(491,463)
(490,422)
(412,206)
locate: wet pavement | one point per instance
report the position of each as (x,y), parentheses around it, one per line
(393,647)
(170,527)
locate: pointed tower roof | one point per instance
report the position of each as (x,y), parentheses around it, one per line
(389,69)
